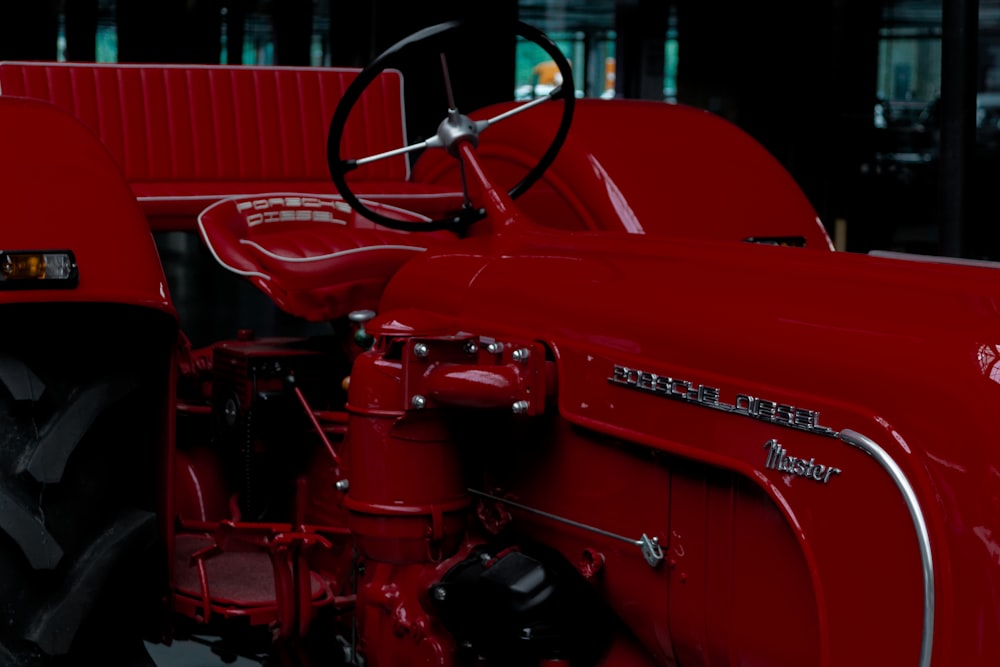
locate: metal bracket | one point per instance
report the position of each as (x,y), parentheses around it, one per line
(651,550)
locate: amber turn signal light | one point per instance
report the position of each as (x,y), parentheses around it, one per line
(38,269)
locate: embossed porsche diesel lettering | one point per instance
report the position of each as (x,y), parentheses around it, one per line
(773,412)
(778,459)
(292,209)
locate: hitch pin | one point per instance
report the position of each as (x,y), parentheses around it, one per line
(650,546)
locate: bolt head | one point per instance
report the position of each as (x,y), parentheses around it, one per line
(418,402)
(420,349)
(360,316)
(520,407)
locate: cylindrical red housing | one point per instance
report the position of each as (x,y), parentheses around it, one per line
(407,497)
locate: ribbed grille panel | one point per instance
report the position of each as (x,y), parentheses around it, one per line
(220,123)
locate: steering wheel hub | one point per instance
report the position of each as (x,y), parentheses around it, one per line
(457,127)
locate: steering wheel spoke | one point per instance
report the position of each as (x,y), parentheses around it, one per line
(483,124)
(393,153)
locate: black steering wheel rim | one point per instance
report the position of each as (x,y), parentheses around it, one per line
(339,167)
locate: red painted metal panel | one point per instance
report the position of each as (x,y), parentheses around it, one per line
(643,167)
(68,194)
(849,344)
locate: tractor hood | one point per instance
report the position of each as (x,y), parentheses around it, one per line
(857,392)
(868,331)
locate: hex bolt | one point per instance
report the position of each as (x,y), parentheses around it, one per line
(521,355)
(420,349)
(418,401)
(520,407)
(439,593)
(494,348)
(342,485)
(470,347)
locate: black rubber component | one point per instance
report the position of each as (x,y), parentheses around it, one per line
(83,402)
(132,531)
(23,521)
(22,384)
(61,434)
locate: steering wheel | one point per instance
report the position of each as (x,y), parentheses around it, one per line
(456,129)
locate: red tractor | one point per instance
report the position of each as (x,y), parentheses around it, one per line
(618,403)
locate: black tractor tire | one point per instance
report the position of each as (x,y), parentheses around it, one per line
(83,404)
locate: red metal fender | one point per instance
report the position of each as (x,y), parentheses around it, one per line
(644,168)
(70,195)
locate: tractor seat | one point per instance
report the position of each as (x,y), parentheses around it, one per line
(312,255)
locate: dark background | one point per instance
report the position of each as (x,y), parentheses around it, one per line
(799,76)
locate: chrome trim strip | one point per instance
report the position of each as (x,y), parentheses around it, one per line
(869,446)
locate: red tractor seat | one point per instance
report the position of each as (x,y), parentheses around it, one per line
(314,256)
